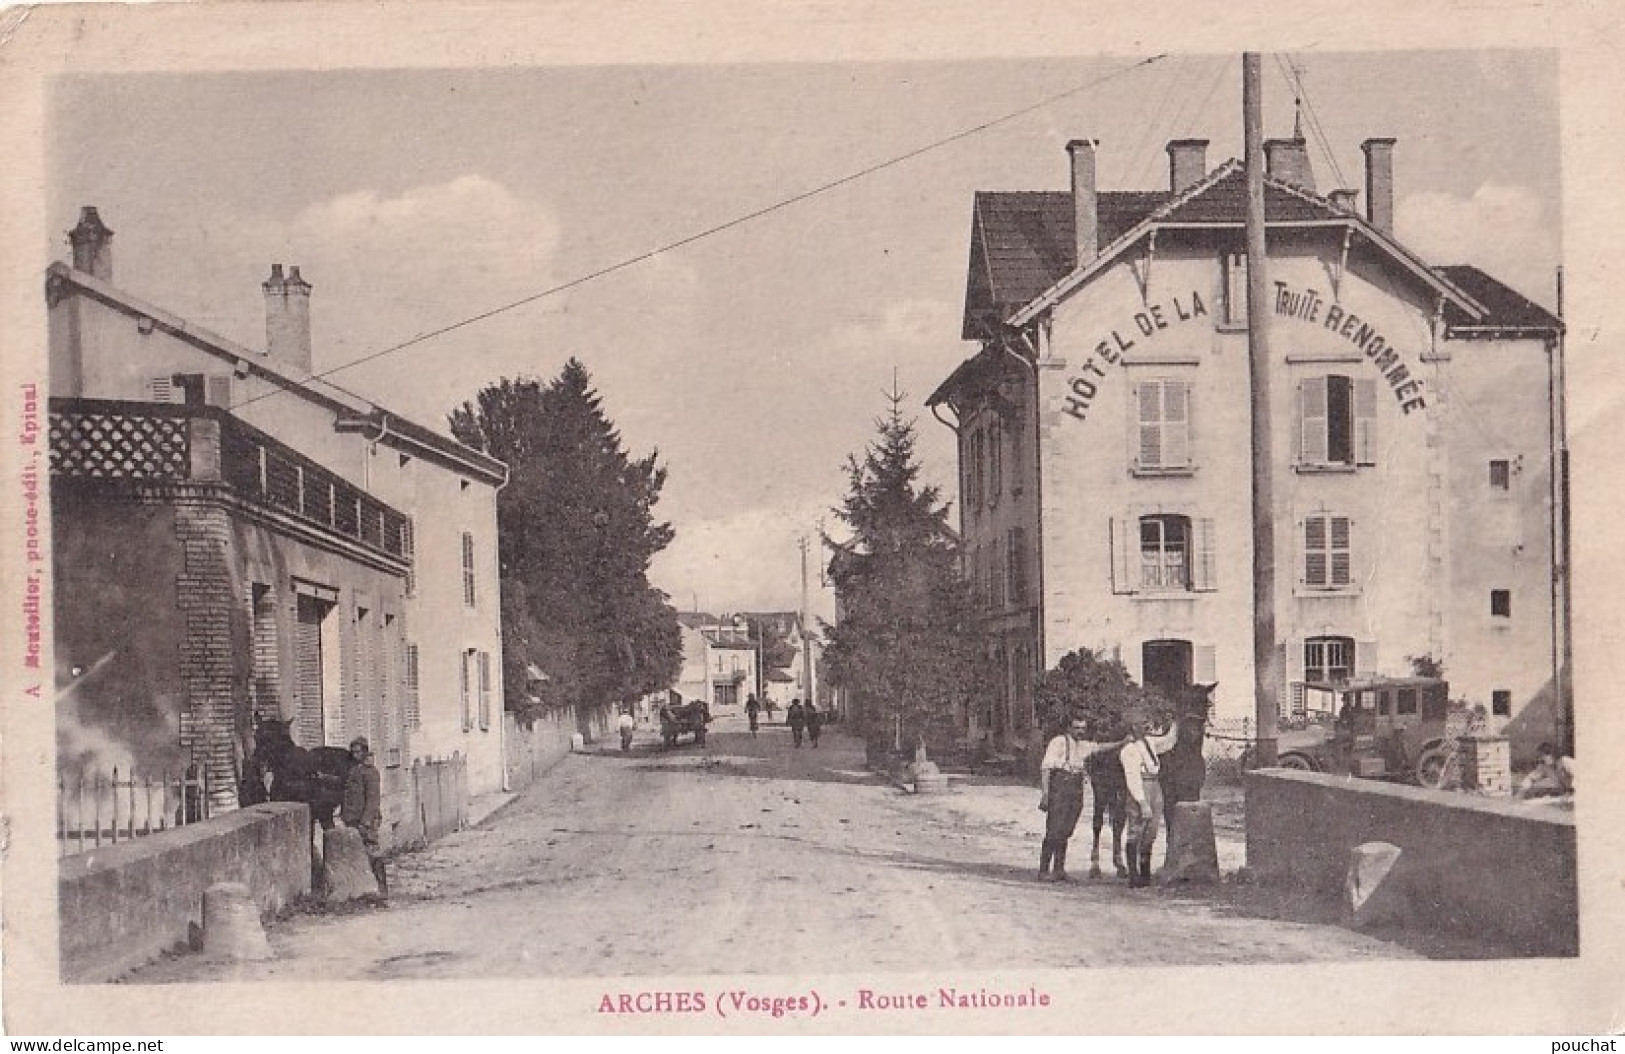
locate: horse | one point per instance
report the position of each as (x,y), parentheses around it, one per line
(1183,769)
(1108,788)
(281,770)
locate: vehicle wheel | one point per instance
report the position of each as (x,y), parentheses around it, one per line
(1295,762)
(1431,767)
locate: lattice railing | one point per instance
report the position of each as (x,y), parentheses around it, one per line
(112,444)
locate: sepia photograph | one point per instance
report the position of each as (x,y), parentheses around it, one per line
(804,536)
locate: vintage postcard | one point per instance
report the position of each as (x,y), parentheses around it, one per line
(531,518)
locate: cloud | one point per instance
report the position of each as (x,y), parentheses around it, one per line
(1503,230)
(746,561)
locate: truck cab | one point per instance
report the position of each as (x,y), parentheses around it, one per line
(1389,728)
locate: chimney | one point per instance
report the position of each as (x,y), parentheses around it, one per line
(1379,183)
(1342,199)
(1085,202)
(1288,161)
(1187,163)
(287,318)
(92,245)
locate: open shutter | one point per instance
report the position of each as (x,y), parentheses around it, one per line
(163,390)
(1365,658)
(463,683)
(1314,551)
(1313,419)
(1292,700)
(1340,551)
(1204,664)
(1125,542)
(1365,421)
(1205,566)
(1148,398)
(1176,424)
(217,390)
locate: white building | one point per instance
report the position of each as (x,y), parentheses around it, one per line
(1105,451)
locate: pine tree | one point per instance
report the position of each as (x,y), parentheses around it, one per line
(576,532)
(905,644)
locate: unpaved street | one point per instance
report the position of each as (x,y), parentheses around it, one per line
(750,856)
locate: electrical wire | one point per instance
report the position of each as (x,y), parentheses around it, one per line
(630,261)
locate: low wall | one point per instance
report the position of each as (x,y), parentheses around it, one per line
(534,749)
(124,905)
(1469,864)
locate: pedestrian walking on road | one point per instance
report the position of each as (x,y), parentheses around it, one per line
(753,710)
(1060,792)
(362,808)
(796,718)
(815,722)
(626,724)
(1142,769)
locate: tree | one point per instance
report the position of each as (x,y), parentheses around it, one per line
(576,533)
(905,645)
(1096,689)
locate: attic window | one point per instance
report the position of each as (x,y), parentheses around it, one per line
(1235,289)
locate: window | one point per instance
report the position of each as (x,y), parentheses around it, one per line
(1018,452)
(1501,703)
(1327,552)
(1016,564)
(995,463)
(1500,475)
(1235,289)
(468,569)
(1163,553)
(1501,603)
(485,691)
(1407,701)
(1328,660)
(1161,441)
(995,577)
(1336,421)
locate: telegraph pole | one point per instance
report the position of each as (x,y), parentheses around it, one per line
(1265,681)
(806,628)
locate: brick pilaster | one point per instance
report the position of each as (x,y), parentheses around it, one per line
(213,723)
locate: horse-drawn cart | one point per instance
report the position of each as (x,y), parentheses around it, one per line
(678,719)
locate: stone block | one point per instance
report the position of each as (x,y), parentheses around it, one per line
(1193,854)
(231,924)
(346,870)
(1373,894)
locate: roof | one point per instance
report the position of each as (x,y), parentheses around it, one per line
(1506,308)
(352,412)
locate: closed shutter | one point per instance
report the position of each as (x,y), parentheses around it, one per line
(217,388)
(485,690)
(1205,565)
(1341,550)
(1312,419)
(1176,424)
(414,712)
(163,390)
(307,671)
(1125,538)
(1314,552)
(1205,664)
(465,688)
(1365,421)
(1365,658)
(1292,695)
(1148,400)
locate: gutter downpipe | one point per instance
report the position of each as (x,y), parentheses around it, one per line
(1561,580)
(502,725)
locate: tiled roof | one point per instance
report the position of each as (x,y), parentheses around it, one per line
(1226,202)
(1507,309)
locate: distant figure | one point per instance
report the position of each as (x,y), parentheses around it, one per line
(1552,776)
(363,807)
(796,718)
(815,722)
(753,710)
(1142,771)
(626,724)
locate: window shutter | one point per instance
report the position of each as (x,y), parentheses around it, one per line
(1314,552)
(1340,551)
(163,390)
(1149,400)
(485,690)
(1365,421)
(218,390)
(1205,664)
(1313,417)
(1176,424)
(1292,700)
(1365,658)
(1125,541)
(464,689)
(1205,565)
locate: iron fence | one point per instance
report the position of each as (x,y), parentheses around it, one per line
(96,809)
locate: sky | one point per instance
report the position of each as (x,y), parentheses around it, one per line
(757,359)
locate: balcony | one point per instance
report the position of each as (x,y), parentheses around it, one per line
(139,444)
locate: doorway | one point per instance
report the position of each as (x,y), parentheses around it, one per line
(1166,665)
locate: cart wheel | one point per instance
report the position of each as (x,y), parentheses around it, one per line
(1296,762)
(1433,767)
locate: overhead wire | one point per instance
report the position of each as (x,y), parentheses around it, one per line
(1292,74)
(1142,158)
(718,228)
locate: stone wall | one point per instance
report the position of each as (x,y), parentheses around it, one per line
(1469,864)
(124,905)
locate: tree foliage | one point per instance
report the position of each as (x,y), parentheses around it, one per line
(906,642)
(1097,689)
(576,531)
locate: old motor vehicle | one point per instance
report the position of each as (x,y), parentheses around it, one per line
(1391,728)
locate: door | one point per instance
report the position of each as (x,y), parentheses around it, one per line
(1166,665)
(307,671)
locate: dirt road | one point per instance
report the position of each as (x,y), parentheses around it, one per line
(749,856)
